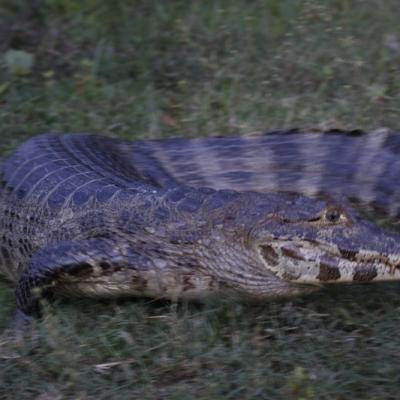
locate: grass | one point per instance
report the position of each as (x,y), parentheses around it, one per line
(147,69)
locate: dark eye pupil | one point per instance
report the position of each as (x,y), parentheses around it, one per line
(333,215)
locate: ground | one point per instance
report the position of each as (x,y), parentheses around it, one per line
(145,69)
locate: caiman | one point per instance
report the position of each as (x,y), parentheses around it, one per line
(260,216)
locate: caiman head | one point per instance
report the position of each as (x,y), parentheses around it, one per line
(287,244)
(312,241)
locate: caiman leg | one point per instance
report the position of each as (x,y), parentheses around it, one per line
(56,264)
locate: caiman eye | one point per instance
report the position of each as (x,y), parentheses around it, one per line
(333,215)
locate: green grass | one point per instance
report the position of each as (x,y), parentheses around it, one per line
(146,69)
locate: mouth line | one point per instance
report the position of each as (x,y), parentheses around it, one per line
(316,262)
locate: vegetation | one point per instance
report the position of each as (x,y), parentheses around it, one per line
(141,69)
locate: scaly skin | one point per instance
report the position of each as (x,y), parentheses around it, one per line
(356,166)
(95,216)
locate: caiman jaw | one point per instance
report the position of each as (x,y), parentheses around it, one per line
(303,261)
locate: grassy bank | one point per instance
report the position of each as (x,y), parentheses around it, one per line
(146,69)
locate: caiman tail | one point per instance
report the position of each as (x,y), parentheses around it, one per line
(362,167)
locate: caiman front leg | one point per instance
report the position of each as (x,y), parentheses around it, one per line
(64,261)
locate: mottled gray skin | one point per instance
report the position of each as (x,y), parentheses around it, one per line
(95,216)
